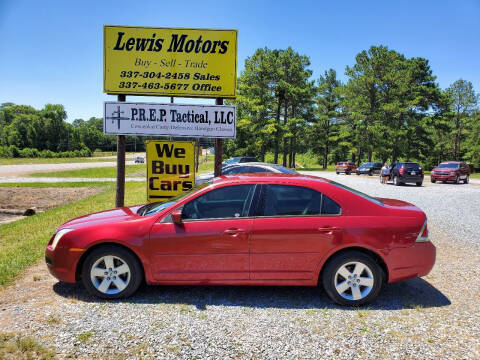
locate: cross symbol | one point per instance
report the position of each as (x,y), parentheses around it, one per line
(118,117)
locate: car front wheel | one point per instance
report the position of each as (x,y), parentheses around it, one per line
(433,180)
(111,272)
(419,183)
(352,278)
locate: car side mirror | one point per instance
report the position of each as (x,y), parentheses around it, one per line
(177,216)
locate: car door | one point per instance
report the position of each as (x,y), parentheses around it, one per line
(211,243)
(290,234)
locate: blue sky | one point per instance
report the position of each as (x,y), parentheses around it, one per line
(52,50)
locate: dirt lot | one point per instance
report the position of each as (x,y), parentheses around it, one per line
(42,198)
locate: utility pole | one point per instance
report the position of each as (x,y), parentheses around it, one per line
(120,194)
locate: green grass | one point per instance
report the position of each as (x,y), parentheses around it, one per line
(99,172)
(22,243)
(17,347)
(60,184)
(24,161)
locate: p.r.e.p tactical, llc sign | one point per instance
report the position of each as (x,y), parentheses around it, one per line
(170,168)
(170,61)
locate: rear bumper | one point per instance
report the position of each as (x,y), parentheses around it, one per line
(62,262)
(417,260)
(411,178)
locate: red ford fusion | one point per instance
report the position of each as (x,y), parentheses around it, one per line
(255,229)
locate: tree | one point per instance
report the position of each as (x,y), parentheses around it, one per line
(462,106)
(327,111)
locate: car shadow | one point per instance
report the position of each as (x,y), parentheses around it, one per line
(412,293)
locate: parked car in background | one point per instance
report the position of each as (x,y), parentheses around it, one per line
(345,167)
(254,229)
(369,168)
(406,172)
(245,168)
(139,160)
(455,171)
(240,159)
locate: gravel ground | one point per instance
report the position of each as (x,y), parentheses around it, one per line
(430,318)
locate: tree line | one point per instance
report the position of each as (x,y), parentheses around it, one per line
(390,108)
(28,132)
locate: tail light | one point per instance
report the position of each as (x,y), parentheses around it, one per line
(423,172)
(423,235)
(401,171)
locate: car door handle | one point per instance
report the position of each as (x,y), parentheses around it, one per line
(328,228)
(234,232)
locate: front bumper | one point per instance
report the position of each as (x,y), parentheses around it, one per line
(443,177)
(408,262)
(62,262)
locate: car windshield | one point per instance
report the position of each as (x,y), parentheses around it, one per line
(232,160)
(156,207)
(283,169)
(448,165)
(367,164)
(356,192)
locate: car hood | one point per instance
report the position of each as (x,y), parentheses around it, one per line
(103,217)
(445,169)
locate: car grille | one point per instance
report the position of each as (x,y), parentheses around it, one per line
(441,173)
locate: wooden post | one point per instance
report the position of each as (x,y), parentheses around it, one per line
(120,194)
(218,148)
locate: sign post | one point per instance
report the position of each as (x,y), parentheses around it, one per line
(120,190)
(218,149)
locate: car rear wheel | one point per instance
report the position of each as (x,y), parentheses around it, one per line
(111,272)
(370,173)
(433,181)
(419,183)
(352,278)
(467,179)
(396,182)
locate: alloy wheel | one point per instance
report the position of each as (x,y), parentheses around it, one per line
(354,281)
(110,274)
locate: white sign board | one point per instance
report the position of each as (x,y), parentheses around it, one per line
(177,120)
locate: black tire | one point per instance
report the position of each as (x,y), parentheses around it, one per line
(347,172)
(133,279)
(419,183)
(337,172)
(433,181)
(396,182)
(457,180)
(370,173)
(330,277)
(467,179)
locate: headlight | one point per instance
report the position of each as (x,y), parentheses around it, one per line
(58,236)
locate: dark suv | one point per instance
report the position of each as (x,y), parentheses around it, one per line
(451,171)
(369,168)
(406,172)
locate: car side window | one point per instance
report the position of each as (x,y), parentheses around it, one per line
(236,170)
(226,202)
(258,169)
(291,200)
(330,207)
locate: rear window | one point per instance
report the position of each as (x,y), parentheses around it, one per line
(408,165)
(356,192)
(283,169)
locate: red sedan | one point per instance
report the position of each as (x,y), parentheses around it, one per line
(257,229)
